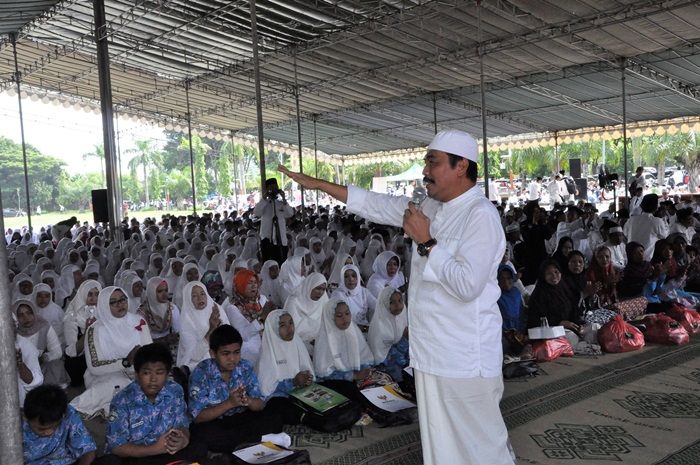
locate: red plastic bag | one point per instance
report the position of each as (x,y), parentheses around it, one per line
(690,319)
(618,336)
(662,329)
(546,350)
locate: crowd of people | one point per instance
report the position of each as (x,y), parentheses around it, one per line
(190,335)
(187,340)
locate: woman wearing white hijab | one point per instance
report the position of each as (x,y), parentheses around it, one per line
(190,273)
(283,357)
(66,283)
(292,274)
(318,256)
(42,335)
(162,316)
(110,346)
(270,286)
(155,265)
(374,248)
(358,298)
(284,365)
(81,312)
(48,310)
(200,316)
(339,262)
(172,272)
(251,248)
(22,287)
(341,352)
(306,307)
(387,272)
(388,333)
(133,287)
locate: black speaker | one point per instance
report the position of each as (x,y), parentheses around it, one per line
(575,167)
(582,188)
(100,212)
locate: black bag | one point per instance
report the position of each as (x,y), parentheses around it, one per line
(570,185)
(299,457)
(331,421)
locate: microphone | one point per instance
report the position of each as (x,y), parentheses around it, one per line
(419,195)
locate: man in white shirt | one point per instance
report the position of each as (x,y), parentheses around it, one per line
(534,189)
(273,212)
(554,191)
(646,228)
(635,201)
(455,324)
(616,244)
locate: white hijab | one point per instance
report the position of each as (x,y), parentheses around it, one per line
(182,282)
(339,350)
(290,276)
(116,337)
(338,264)
(128,283)
(381,279)
(76,305)
(270,288)
(386,329)
(279,359)
(306,312)
(193,321)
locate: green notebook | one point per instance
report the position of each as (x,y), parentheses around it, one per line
(318,397)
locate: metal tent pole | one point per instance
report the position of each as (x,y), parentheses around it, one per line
(10,426)
(556,150)
(189,136)
(107,120)
(483,102)
(316,158)
(296,101)
(18,78)
(258,93)
(235,168)
(624,127)
(435,127)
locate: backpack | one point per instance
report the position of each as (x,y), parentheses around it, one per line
(570,185)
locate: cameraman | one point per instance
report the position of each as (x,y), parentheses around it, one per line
(273,212)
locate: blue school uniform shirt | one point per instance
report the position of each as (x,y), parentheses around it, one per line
(65,446)
(133,419)
(208,388)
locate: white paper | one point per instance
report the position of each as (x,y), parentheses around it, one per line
(545,332)
(387,399)
(262,453)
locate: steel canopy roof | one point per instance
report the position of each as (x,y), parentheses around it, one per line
(371,73)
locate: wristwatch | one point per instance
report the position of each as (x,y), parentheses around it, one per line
(425,247)
(126,363)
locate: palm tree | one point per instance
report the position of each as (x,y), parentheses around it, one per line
(145,154)
(99,153)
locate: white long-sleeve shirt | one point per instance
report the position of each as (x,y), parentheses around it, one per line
(265,211)
(454,320)
(646,229)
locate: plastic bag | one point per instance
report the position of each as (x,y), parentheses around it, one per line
(662,329)
(690,319)
(619,336)
(547,350)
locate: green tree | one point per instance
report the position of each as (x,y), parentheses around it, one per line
(199,151)
(178,183)
(98,152)
(41,168)
(145,155)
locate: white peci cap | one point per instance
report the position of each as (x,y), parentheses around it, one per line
(457,143)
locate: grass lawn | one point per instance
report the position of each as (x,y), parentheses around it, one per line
(46,219)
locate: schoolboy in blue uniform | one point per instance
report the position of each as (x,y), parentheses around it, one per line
(148,422)
(52,431)
(225,398)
